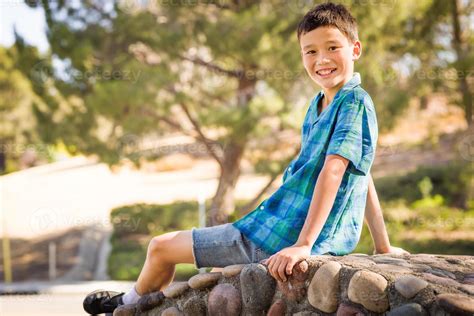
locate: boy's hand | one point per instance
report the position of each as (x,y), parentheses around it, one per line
(393,250)
(283,261)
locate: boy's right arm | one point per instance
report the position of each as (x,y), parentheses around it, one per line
(375,222)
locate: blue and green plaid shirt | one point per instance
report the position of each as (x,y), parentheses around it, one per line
(348,128)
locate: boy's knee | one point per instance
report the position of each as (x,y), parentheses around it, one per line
(156,247)
(159,246)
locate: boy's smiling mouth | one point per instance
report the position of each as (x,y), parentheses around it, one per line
(325,72)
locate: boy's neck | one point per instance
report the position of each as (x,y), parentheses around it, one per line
(329,94)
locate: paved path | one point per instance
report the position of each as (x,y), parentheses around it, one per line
(55,299)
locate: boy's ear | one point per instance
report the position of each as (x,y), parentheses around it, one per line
(356,50)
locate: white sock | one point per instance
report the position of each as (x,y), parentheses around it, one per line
(131,297)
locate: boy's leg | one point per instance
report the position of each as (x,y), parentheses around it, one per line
(163,253)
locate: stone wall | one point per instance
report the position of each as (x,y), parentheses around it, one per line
(355,284)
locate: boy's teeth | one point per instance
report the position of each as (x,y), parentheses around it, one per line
(325,72)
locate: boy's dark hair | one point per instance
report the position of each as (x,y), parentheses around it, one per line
(329,14)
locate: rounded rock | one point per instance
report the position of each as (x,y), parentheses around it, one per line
(391,268)
(468,279)
(468,288)
(442,273)
(278,308)
(150,301)
(257,286)
(420,267)
(306,313)
(364,262)
(171,311)
(456,304)
(232,270)
(224,300)
(349,310)
(411,309)
(175,289)
(423,258)
(368,289)
(390,260)
(125,310)
(323,289)
(204,280)
(408,285)
(440,280)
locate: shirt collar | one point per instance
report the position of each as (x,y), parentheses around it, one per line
(351,84)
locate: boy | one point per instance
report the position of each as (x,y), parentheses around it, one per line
(319,208)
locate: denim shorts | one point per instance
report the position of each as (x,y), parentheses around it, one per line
(224,245)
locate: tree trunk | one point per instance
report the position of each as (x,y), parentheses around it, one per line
(223,202)
(461,65)
(3,160)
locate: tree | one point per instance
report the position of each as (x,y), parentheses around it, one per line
(227,91)
(18,128)
(440,41)
(225,72)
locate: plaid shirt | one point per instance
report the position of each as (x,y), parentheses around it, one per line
(348,128)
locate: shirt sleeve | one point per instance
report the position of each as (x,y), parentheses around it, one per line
(355,137)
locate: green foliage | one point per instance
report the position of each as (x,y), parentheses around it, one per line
(162,61)
(128,65)
(429,202)
(453,182)
(425,187)
(419,221)
(125,262)
(18,127)
(425,228)
(203,55)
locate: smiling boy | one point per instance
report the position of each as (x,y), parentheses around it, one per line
(319,208)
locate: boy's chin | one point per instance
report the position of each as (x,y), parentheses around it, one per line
(327,84)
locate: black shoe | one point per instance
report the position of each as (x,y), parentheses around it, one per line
(100,301)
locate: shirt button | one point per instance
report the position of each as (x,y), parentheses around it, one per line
(262,207)
(289,168)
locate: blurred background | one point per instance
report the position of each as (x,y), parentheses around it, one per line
(122,120)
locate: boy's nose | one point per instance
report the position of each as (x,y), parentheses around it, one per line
(322,61)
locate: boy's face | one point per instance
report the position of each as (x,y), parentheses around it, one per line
(328,57)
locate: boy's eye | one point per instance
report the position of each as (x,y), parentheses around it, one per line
(310,52)
(332,48)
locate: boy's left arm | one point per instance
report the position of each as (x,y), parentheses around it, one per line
(376,224)
(323,198)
